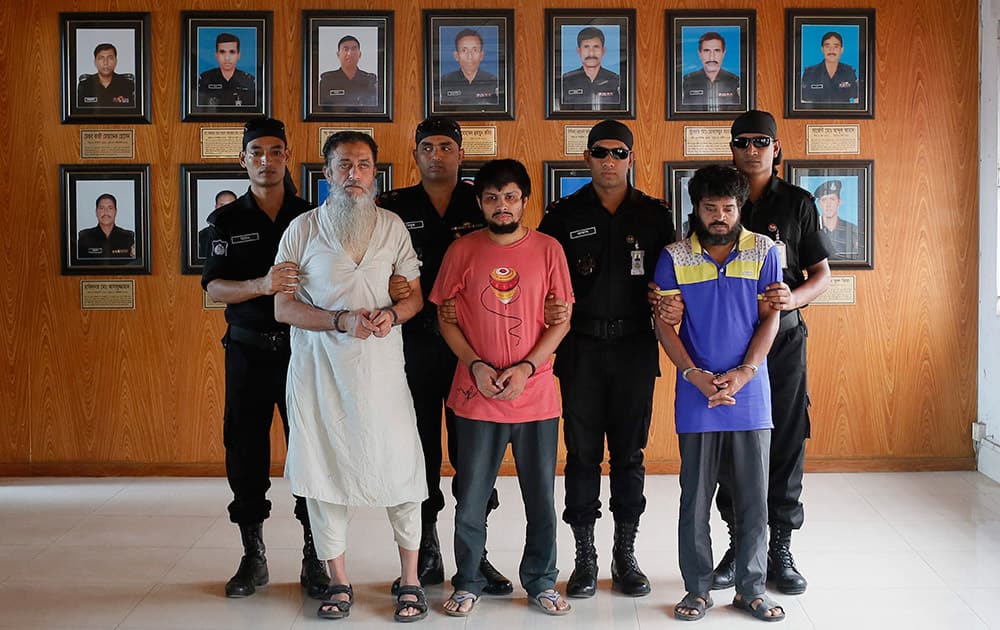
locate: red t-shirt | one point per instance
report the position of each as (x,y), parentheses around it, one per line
(499,293)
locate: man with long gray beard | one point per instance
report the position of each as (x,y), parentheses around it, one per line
(353,433)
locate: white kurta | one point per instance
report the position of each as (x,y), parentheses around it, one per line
(353,432)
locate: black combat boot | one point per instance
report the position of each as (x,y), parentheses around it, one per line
(626,575)
(430,566)
(313,576)
(583,581)
(780,564)
(253,566)
(724,575)
(496,582)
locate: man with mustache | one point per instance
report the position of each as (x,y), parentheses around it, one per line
(590,87)
(830,81)
(106,240)
(711,88)
(470,84)
(106,88)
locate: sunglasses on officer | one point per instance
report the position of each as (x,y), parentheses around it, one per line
(618,153)
(760,142)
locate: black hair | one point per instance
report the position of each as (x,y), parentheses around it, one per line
(227,37)
(105,46)
(717,181)
(468,32)
(709,36)
(348,38)
(833,34)
(106,196)
(348,137)
(499,173)
(590,32)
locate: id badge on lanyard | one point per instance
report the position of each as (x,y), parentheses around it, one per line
(780,246)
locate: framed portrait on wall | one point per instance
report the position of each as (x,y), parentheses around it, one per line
(590,63)
(565,177)
(844,198)
(468,64)
(105,67)
(226,65)
(347,69)
(315,187)
(830,63)
(676,176)
(105,219)
(204,188)
(711,64)
(469,168)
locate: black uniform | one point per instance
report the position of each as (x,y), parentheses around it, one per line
(214,89)
(92,243)
(204,242)
(336,89)
(819,87)
(787,214)
(430,364)
(457,90)
(244,245)
(608,363)
(119,93)
(720,95)
(579,92)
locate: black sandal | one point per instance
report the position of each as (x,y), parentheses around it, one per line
(698,603)
(335,608)
(402,604)
(760,610)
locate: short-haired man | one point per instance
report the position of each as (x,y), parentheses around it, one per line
(711,87)
(787,215)
(608,363)
(353,433)
(205,234)
(722,407)
(227,85)
(470,84)
(106,240)
(348,86)
(436,211)
(843,235)
(106,88)
(590,87)
(830,81)
(503,390)
(241,272)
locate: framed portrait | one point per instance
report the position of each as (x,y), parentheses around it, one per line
(830,63)
(590,63)
(226,65)
(711,64)
(844,199)
(316,188)
(676,176)
(205,187)
(105,219)
(565,177)
(347,65)
(469,168)
(105,67)
(469,64)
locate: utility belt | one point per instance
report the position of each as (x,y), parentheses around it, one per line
(789,321)
(609,328)
(272,341)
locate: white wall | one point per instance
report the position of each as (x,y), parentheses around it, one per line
(989,238)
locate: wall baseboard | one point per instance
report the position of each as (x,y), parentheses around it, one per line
(989,461)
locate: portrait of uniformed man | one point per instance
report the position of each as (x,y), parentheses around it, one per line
(106,240)
(830,81)
(844,236)
(348,86)
(106,88)
(470,84)
(711,87)
(205,234)
(591,86)
(227,85)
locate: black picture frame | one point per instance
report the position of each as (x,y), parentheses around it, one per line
(564,177)
(85,38)
(314,184)
(569,93)
(810,92)
(125,249)
(327,93)
(852,183)
(446,91)
(469,168)
(202,186)
(676,176)
(206,94)
(729,42)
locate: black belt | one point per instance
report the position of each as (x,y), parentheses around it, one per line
(609,328)
(789,321)
(274,341)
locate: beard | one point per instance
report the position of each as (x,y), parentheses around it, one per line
(710,238)
(353,220)
(503,228)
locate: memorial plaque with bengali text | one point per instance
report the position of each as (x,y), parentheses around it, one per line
(221,142)
(479,141)
(842,290)
(702,141)
(833,139)
(107,295)
(98,144)
(575,139)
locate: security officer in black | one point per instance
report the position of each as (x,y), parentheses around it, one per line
(788,215)
(608,363)
(438,210)
(240,271)
(227,85)
(106,88)
(830,81)
(590,87)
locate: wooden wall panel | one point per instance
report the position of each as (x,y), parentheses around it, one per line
(893,378)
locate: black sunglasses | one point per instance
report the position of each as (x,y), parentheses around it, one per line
(602,152)
(760,142)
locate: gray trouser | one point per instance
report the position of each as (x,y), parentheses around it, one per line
(746,454)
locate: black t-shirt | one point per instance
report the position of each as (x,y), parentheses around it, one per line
(245,242)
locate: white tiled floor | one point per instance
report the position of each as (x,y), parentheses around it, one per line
(909,551)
